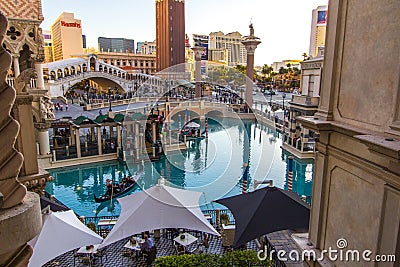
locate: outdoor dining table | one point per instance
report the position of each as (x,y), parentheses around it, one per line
(185,239)
(88,251)
(134,247)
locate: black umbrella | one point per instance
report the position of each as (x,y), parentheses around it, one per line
(265,211)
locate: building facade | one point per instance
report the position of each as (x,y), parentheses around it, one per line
(117,45)
(356,187)
(318,30)
(133,62)
(299,140)
(47,46)
(170,33)
(232,42)
(66,33)
(148,48)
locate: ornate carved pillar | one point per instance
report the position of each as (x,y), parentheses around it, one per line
(20,217)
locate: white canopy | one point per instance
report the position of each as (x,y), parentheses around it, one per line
(156,208)
(61,232)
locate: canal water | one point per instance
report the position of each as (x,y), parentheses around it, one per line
(214,166)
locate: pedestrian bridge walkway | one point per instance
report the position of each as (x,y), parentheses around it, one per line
(60,76)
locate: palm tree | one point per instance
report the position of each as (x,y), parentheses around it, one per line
(289,67)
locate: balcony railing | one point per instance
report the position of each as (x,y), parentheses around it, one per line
(305,100)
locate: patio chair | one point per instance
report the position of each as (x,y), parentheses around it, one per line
(179,249)
(100,254)
(205,244)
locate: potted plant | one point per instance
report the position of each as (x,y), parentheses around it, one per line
(91,226)
(224,218)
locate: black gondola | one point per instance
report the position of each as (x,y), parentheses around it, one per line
(106,196)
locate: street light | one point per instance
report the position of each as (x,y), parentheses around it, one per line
(270,97)
(283,102)
(109,98)
(167,91)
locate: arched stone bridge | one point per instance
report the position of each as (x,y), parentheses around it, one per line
(59,76)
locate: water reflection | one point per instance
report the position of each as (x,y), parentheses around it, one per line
(215,166)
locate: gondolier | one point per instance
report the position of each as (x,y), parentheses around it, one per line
(115,191)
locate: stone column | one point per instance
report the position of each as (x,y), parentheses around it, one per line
(93,136)
(154,131)
(99,145)
(72,130)
(251,42)
(16,66)
(43,137)
(119,143)
(39,73)
(22,112)
(44,145)
(78,143)
(197,72)
(111,128)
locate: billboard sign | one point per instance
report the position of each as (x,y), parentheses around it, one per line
(201,40)
(322,16)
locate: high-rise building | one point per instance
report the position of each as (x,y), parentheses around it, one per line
(66,33)
(47,46)
(118,45)
(318,30)
(232,42)
(170,33)
(139,47)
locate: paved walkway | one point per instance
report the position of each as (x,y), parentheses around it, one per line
(75,110)
(114,256)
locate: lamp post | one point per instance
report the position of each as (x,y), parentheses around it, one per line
(167,91)
(109,98)
(270,97)
(283,102)
(62,87)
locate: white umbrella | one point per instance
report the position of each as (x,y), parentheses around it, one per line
(159,207)
(61,232)
(193,125)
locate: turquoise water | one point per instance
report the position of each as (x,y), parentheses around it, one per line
(214,166)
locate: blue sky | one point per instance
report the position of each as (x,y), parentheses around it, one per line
(282,25)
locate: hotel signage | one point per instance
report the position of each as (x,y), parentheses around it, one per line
(70,24)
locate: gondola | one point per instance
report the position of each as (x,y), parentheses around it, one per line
(107,197)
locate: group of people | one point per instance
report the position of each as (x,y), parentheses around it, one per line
(115,188)
(60,107)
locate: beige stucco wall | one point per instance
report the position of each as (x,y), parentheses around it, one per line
(356,187)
